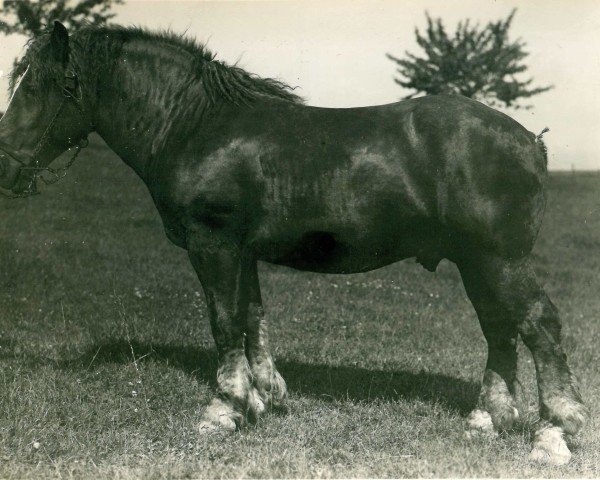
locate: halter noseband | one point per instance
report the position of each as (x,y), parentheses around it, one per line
(71,90)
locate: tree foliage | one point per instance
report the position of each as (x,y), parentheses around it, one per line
(30,17)
(480,63)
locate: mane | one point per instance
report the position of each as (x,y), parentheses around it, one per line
(102,46)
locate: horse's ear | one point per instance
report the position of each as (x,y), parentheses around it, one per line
(59,40)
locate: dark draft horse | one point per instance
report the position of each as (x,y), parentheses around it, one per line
(240,171)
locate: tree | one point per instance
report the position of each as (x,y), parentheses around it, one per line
(479,63)
(30,17)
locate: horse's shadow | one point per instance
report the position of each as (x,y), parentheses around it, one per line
(329,383)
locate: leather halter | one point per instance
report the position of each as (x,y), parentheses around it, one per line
(71,90)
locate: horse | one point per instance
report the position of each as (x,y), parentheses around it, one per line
(241,170)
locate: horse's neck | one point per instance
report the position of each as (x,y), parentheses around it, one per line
(140,108)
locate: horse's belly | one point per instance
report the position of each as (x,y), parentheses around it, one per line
(322,252)
(343,251)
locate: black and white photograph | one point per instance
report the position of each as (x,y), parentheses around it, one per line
(299,239)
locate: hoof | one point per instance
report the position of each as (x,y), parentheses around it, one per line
(219,416)
(277,392)
(549,447)
(256,406)
(270,387)
(505,419)
(479,424)
(207,427)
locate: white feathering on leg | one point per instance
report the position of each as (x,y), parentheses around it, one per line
(479,423)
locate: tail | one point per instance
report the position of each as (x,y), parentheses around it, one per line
(542,145)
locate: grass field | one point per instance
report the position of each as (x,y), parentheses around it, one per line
(107,358)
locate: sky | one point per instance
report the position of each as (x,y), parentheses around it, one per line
(335,52)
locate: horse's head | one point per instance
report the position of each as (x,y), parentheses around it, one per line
(45,116)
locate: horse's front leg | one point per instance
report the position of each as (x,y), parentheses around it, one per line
(222,269)
(267,380)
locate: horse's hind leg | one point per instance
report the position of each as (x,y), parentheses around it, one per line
(511,286)
(496,408)
(223,270)
(267,380)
